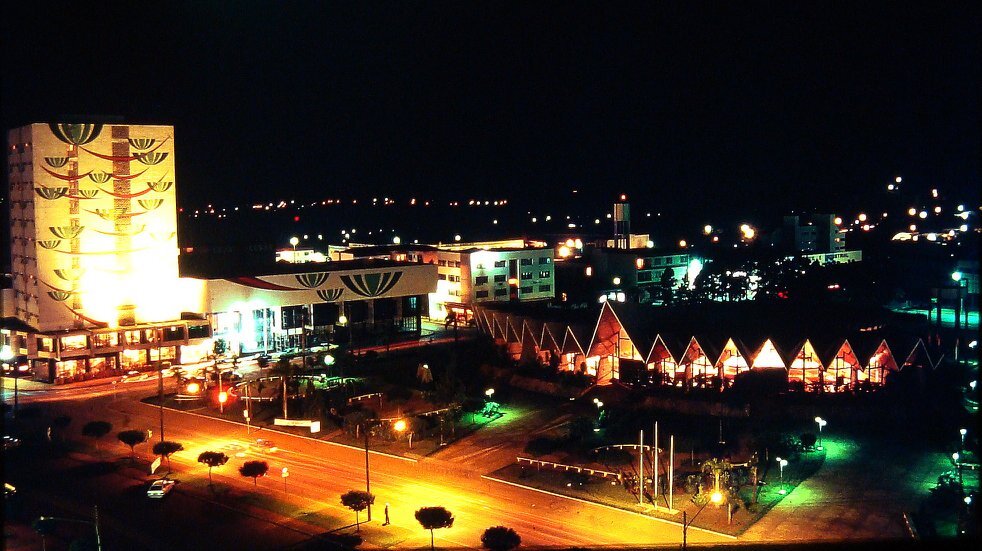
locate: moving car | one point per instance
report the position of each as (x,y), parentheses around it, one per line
(160,488)
(263,445)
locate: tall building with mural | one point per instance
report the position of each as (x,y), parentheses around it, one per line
(94,225)
(93,242)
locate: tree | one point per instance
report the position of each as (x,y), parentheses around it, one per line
(500,538)
(667,282)
(166,448)
(96,430)
(254,469)
(212,459)
(357,501)
(432,518)
(131,438)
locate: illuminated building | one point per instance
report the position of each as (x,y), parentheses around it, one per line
(468,273)
(96,289)
(638,344)
(93,239)
(815,234)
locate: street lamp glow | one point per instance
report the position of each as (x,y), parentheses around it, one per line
(954,457)
(193,388)
(489,392)
(707,229)
(821,423)
(963,432)
(716,498)
(328,359)
(342,319)
(956,276)
(222,397)
(400,425)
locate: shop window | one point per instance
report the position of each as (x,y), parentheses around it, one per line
(132,337)
(74,342)
(46,344)
(173,333)
(199,331)
(105,340)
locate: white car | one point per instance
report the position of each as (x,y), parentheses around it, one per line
(159,488)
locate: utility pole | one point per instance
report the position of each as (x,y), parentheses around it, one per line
(160,384)
(654,462)
(671,471)
(641,468)
(368,485)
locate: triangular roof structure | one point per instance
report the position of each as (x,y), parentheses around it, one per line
(659,351)
(849,359)
(573,340)
(767,356)
(531,331)
(498,323)
(734,355)
(549,341)
(712,345)
(513,329)
(480,314)
(605,334)
(637,323)
(677,344)
(803,354)
(917,356)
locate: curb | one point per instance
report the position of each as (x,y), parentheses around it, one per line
(657,519)
(328,442)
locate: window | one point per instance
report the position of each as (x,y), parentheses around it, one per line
(454,264)
(499,263)
(500,278)
(105,340)
(526,262)
(544,260)
(443,263)
(644,276)
(526,290)
(481,280)
(481,294)
(545,288)
(526,275)
(132,337)
(544,274)
(454,278)
(46,344)
(441,277)
(500,292)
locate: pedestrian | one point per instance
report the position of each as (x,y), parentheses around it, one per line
(386,523)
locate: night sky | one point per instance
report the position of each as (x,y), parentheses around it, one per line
(687,106)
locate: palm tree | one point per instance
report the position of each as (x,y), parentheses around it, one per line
(285,370)
(357,501)
(254,469)
(720,469)
(165,448)
(131,438)
(500,538)
(212,459)
(96,430)
(432,518)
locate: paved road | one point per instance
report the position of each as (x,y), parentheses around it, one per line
(319,472)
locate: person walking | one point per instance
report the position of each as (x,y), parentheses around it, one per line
(386,523)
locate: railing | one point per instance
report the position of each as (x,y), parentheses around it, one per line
(909,525)
(557,466)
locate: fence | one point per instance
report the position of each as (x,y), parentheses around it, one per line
(557,466)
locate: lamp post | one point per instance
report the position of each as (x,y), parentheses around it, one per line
(821,423)
(956,276)
(294,241)
(955,457)
(368,485)
(222,395)
(600,413)
(962,433)
(95,523)
(7,354)
(716,498)
(401,426)
(781,463)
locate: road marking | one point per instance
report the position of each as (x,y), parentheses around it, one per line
(269,429)
(679,524)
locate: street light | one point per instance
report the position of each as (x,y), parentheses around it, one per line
(782,463)
(95,523)
(963,432)
(489,393)
(401,426)
(821,423)
(955,457)
(716,498)
(294,241)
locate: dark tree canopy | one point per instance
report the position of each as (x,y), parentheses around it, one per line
(97,429)
(357,501)
(254,469)
(432,518)
(132,438)
(166,448)
(500,538)
(212,459)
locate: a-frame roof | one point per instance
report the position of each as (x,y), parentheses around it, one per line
(552,336)
(659,344)
(532,330)
(574,339)
(768,352)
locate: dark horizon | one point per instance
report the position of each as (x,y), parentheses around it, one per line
(739,108)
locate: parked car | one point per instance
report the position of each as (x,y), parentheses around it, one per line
(160,488)
(10,442)
(263,445)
